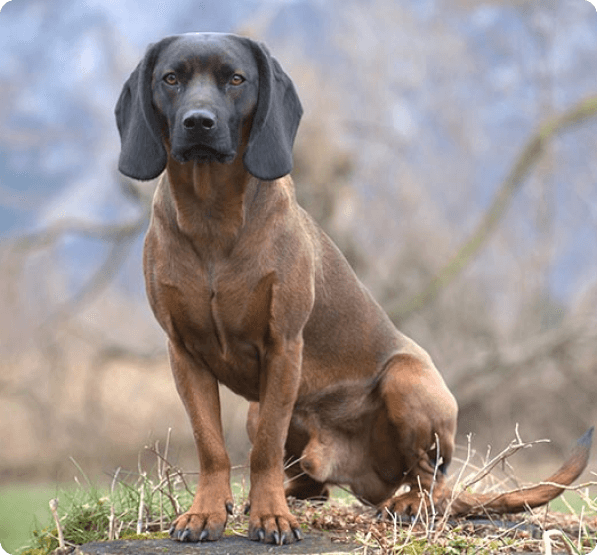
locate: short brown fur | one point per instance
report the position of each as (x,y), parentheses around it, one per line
(253,294)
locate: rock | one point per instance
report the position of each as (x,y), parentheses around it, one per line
(315,542)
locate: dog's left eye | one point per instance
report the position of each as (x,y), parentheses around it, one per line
(237,79)
(171,78)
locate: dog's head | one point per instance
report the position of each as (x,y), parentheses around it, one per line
(207,97)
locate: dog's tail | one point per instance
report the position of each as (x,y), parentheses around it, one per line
(527,498)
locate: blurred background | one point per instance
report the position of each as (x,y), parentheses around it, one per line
(411,155)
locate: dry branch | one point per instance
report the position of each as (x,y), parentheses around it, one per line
(526,161)
(120,236)
(514,446)
(473,379)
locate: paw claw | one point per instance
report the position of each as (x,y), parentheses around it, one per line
(297,534)
(198,526)
(186,533)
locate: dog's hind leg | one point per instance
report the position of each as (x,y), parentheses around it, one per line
(414,438)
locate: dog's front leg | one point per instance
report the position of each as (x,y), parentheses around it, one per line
(270,519)
(198,389)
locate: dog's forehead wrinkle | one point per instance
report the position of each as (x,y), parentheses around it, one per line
(218,54)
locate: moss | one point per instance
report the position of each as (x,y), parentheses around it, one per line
(43,542)
(130,535)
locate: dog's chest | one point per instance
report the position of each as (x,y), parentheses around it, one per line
(219,312)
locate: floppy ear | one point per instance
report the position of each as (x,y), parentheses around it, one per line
(142,153)
(269,150)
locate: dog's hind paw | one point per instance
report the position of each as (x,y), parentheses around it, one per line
(407,505)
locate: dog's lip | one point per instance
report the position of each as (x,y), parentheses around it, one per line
(200,152)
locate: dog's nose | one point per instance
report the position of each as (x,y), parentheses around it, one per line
(199,120)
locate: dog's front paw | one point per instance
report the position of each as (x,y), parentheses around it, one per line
(198,526)
(272,522)
(277,529)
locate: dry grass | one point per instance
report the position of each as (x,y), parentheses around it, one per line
(526,533)
(142,504)
(542,530)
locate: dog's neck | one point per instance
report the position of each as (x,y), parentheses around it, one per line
(208,198)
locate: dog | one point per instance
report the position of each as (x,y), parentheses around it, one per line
(254,295)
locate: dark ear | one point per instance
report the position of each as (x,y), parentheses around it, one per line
(142,153)
(275,122)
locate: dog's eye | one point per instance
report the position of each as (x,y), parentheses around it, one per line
(237,79)
(171,79)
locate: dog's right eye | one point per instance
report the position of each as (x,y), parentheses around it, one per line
(237,79)
(171,79)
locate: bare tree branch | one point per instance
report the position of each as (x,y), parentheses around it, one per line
(526,161)
(100,279)
(473,379)
(120,235)
(47,237)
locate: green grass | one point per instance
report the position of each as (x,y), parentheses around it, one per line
(20,507)
(87,512)
(85,516)
(571,502)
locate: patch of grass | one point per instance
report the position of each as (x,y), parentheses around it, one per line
(510,534)
(574,502)
(21,507)
(135,504)
(142,505)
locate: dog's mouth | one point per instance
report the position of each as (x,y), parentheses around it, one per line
(202,154)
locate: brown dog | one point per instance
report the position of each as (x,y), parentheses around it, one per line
(253,294)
